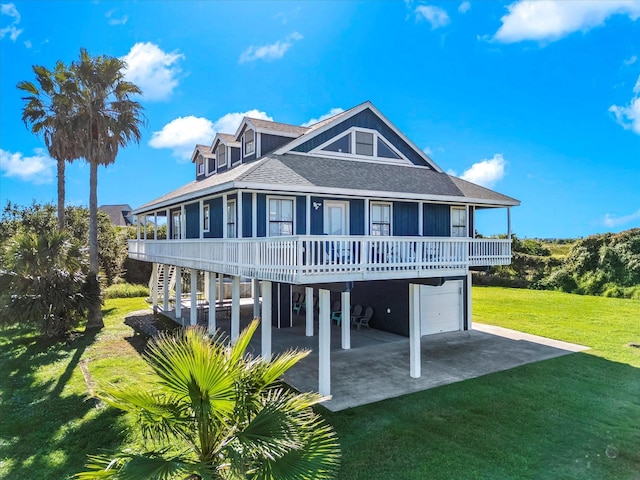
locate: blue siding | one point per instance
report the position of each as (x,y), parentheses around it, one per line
(317,225)
(364,119)
(405,218)
(268,143)
(247,206)
(262,215)
(301,215)
(215,218)
(193,220)
(356,217)
(437,220)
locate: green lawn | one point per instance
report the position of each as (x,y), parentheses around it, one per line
(576,416)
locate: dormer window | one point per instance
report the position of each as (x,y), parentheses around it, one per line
(200,165)
(361,142)
(249,144)
(221,155)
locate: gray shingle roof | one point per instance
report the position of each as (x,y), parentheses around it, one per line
(277,126)
(119,215)
(304,173)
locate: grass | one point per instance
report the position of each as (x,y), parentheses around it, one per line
(576,416)
(558,250)
(126,290)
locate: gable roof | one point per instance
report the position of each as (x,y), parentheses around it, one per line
(269,127)
(204,150)
(227,138)
(321,175)
(119,215)
(317,130)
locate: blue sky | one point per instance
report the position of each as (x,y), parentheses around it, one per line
(537,100)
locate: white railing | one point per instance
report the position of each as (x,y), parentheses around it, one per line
(321,259)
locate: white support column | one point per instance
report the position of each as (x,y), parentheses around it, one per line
(165,287)
(266,319)
(308,294)
(146,218)
(179,293)
(169,224)
(221,287)
(346,320)
(235,309)
(155,225)
(255,288)
(225,234)
(414,330)
(254,215)
(324,343)
(469,301)
(367,227)
(212,302)
(154,287)
(421,218)
(509,223)
(201,217)
(206,282)
(307,228)
(183,222)
(239,215)
(138,227)
(193,312)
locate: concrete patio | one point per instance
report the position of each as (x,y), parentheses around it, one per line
(377,365)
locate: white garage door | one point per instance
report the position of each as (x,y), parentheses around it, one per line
(441,307)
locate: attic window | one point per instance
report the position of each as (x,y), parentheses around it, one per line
(385,151)
(221,155)
(342,145)
(364,143)
(249,142)
(200,165)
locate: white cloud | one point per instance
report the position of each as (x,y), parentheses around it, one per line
(464,7)
(114,20)
(428,151)
(37,169)
(269,52)
(10,10)
(550,20)
(436,16)
(629,116)
(611,221)
(182,134)
(153,70)
(331,113)
(631,60)
(486,172)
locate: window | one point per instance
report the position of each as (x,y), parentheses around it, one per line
(380,219)
(280,217)
(176,225)
(364,143)
(231,219)
(342,145)
(200,165)
(249,142)
(458,222)
(385,150)
(205,218)
(221,155)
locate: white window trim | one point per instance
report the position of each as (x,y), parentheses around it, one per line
(226,156)
(371,205)
(466,220)
(325,207)
(230,202)
(293,211)
(206,213)
(402,160)
(244,152)
(176,229)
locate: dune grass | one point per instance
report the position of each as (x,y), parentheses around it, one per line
(576,416)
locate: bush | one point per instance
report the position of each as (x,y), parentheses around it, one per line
(126,290)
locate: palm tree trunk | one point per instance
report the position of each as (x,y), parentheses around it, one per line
(94,320)
(61,193)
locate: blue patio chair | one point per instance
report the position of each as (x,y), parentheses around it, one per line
(336,312)
(299,304)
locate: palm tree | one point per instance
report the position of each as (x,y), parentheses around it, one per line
(46,112)
(104,118)
(44,281)
(215,412)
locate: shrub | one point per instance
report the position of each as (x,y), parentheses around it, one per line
(126,290)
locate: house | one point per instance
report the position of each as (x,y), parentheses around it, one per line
(120,215)
(348,209)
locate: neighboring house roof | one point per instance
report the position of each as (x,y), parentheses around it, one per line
(119,215)
(321,175)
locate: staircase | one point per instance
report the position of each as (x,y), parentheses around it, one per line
(160,275)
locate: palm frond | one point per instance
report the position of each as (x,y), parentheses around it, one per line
(133,466)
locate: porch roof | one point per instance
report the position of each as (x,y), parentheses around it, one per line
(314,175)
